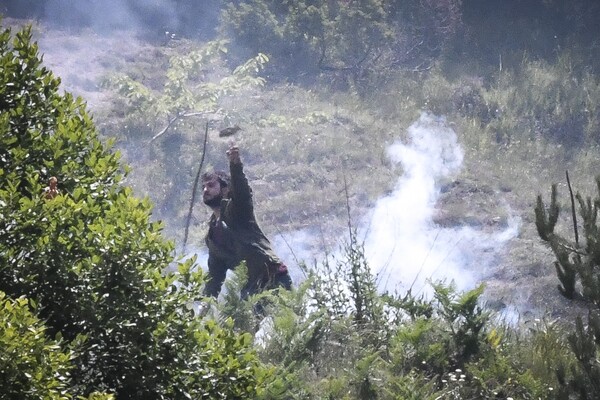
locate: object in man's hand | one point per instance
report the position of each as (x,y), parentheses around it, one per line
(232,130)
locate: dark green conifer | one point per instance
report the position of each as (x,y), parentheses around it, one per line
(578,270)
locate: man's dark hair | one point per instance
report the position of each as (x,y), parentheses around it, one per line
(222,176)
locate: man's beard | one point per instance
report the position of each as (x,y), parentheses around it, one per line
(214,202)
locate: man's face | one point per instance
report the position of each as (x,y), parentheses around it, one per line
(212,194)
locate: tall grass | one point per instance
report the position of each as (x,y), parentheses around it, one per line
(333,337)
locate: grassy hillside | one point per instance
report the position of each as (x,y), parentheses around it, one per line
(315,153)
(415,174)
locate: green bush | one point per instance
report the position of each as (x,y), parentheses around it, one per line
(166,121)
(92,260)
(399,348)
(31,365)
(348,41)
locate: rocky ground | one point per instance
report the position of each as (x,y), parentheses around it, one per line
(521,283)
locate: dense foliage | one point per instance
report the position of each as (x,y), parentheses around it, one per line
(91,260)
(324,30)
(31,365)
(107,309)
(335,337)
(343,39)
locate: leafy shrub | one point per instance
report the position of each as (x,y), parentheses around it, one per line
(402,348)
(193,87)
(31,365)
(165,122)
(307,36)
(346,40)
(92,260)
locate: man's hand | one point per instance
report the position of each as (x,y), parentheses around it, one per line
(233,154)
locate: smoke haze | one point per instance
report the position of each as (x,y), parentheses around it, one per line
(147,17)
(403,245)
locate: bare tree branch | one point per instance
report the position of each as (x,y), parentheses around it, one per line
(195,189)
(171,122)
(177,117)
(573,210)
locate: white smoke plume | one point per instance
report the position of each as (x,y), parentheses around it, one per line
(403,245)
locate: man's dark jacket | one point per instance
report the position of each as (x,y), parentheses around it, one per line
(236,237)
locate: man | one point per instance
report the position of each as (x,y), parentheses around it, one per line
(234,235)
(51,191)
